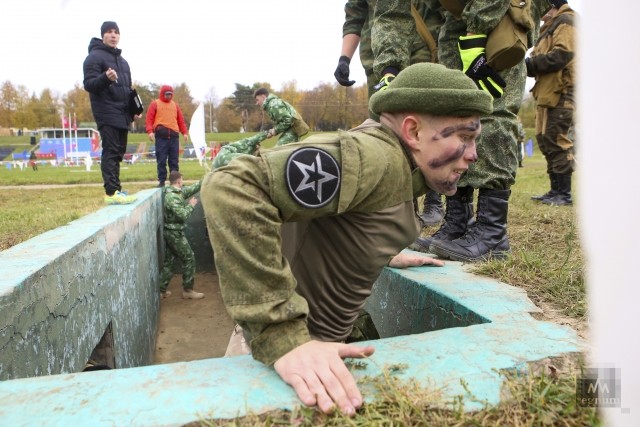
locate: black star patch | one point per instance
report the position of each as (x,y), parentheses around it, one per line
(312,177)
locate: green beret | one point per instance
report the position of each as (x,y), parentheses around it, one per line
(432,89)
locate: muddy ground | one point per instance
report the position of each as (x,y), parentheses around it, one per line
(192,329)
(200,329)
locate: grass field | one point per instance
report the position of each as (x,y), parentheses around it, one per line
(547,261)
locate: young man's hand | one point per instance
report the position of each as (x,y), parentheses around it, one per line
(319,376)
(404,260)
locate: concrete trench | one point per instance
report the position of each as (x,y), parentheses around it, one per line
(62,291)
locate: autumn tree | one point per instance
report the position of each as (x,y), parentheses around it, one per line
(228,120)
(77,101)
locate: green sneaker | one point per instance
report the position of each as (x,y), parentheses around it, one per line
(119,198)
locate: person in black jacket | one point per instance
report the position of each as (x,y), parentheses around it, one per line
(107,78)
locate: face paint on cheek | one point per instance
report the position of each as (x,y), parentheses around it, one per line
(447,157)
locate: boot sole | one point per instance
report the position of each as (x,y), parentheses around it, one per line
(444,253)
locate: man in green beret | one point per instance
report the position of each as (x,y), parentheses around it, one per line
(302,231)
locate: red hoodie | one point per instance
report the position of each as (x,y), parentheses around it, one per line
(165,112)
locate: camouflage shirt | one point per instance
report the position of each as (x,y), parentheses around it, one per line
(176,208)
(280,112)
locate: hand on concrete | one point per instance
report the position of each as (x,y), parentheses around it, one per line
(319,376)
(193,201)
(404,260)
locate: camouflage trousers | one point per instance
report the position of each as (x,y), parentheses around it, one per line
(287,137)
(553,126)
(177,247)
(497,146)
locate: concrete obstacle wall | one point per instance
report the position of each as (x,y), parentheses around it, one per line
(60,291)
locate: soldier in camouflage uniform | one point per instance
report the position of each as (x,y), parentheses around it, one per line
(302,231)
(461,46)
(234,149)
(356,31)
(552,63)
(176,211)
(287,122)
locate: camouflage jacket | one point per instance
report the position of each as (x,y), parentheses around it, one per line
(552,61)
(280,112)
(176,208)
(351,195)
(358,17)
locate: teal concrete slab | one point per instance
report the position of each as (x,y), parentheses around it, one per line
(61,290)
(502,335)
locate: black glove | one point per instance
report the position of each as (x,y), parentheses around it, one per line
(527,62)
(342,71)
(474,65)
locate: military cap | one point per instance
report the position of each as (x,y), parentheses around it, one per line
(432,89)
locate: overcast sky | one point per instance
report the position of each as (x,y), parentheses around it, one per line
(204,43)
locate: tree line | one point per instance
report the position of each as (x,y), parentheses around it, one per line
(327,107)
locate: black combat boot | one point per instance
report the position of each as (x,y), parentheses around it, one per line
(553,178)
(433,211)
(458,217)
(563,195)
(487,237)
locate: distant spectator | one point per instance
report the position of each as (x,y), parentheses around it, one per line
(164,124)
(107,78)
(553,64)
(33,161)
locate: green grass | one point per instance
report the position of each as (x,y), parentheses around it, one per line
(529,400)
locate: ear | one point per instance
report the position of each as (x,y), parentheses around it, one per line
(409,131)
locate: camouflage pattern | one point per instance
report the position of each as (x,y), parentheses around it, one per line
(554,127)
(234,149)
(497,146)
(553,63)
(360,13)
(391,35)
(282,115)
(176,212)
(279,289)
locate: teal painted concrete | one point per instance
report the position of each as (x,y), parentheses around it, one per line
(501,335)
(60,290)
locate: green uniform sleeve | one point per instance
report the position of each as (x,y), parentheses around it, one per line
(255,279)
(190,190)
(355,12)
(482,16)
(234,149)
(392,34)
